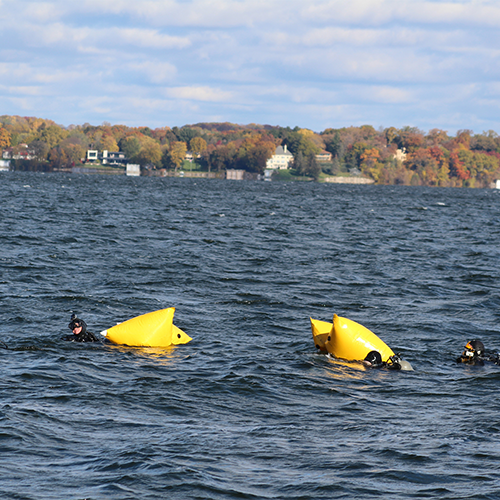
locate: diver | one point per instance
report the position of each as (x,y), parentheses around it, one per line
(80,333)
(475,354)
(374,360)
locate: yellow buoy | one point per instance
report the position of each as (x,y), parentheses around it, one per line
(154,329)
(347,339)
(320,331)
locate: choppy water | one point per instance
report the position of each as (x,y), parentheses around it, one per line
(248,409)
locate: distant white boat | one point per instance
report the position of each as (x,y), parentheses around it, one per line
(497,184)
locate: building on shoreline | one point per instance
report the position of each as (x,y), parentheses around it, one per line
(106,157)
(280,160)
(20,152)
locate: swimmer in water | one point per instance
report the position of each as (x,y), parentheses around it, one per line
(475,354)
(80,333)
(374,359)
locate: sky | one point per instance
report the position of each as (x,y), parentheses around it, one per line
(315,64)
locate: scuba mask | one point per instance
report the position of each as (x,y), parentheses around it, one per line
(473,348)
(77,322)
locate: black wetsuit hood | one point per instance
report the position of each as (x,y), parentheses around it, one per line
(84,335)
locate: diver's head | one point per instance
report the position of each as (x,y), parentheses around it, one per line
(77,325)
(373,358)
(473,348)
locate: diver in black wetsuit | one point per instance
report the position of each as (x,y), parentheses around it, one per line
(80,333)
(374,360)
(475,354)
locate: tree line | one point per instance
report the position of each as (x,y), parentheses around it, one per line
(406,156)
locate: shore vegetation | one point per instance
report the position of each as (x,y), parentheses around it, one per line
(407,155)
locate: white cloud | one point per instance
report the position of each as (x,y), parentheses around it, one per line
(146,38)
(66,36)
(196,13)
(251,13)
(26,91)
(157,72)
(199,94)
(413,12)
(252,61)
(361,37)
(386,94)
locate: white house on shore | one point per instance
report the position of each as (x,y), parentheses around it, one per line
(107,157)
(400,155)
(280,160)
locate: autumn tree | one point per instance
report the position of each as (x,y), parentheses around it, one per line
(107,143)
(391,134)
(256,157)
(370,163)
(4,138)
(150,152)
(74,152)
(53,135)
(425,167)
(410,139)
(353,155)
(175,155)
(482,168)
(441,158)
(463,137)
(57,158)
(436,136)
(197,146)
(457,168)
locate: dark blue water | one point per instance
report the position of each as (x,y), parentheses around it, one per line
(248,409)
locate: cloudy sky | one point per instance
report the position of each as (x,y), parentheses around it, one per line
(315,64)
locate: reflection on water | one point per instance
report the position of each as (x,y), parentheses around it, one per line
(345,369)
(163,355)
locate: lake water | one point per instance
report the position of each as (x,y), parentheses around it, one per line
(247,409)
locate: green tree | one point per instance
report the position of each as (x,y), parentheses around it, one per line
(221,157)
(301,141)
(186,134)
(131,146)
(333,144)
(40,150)
(306,165)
